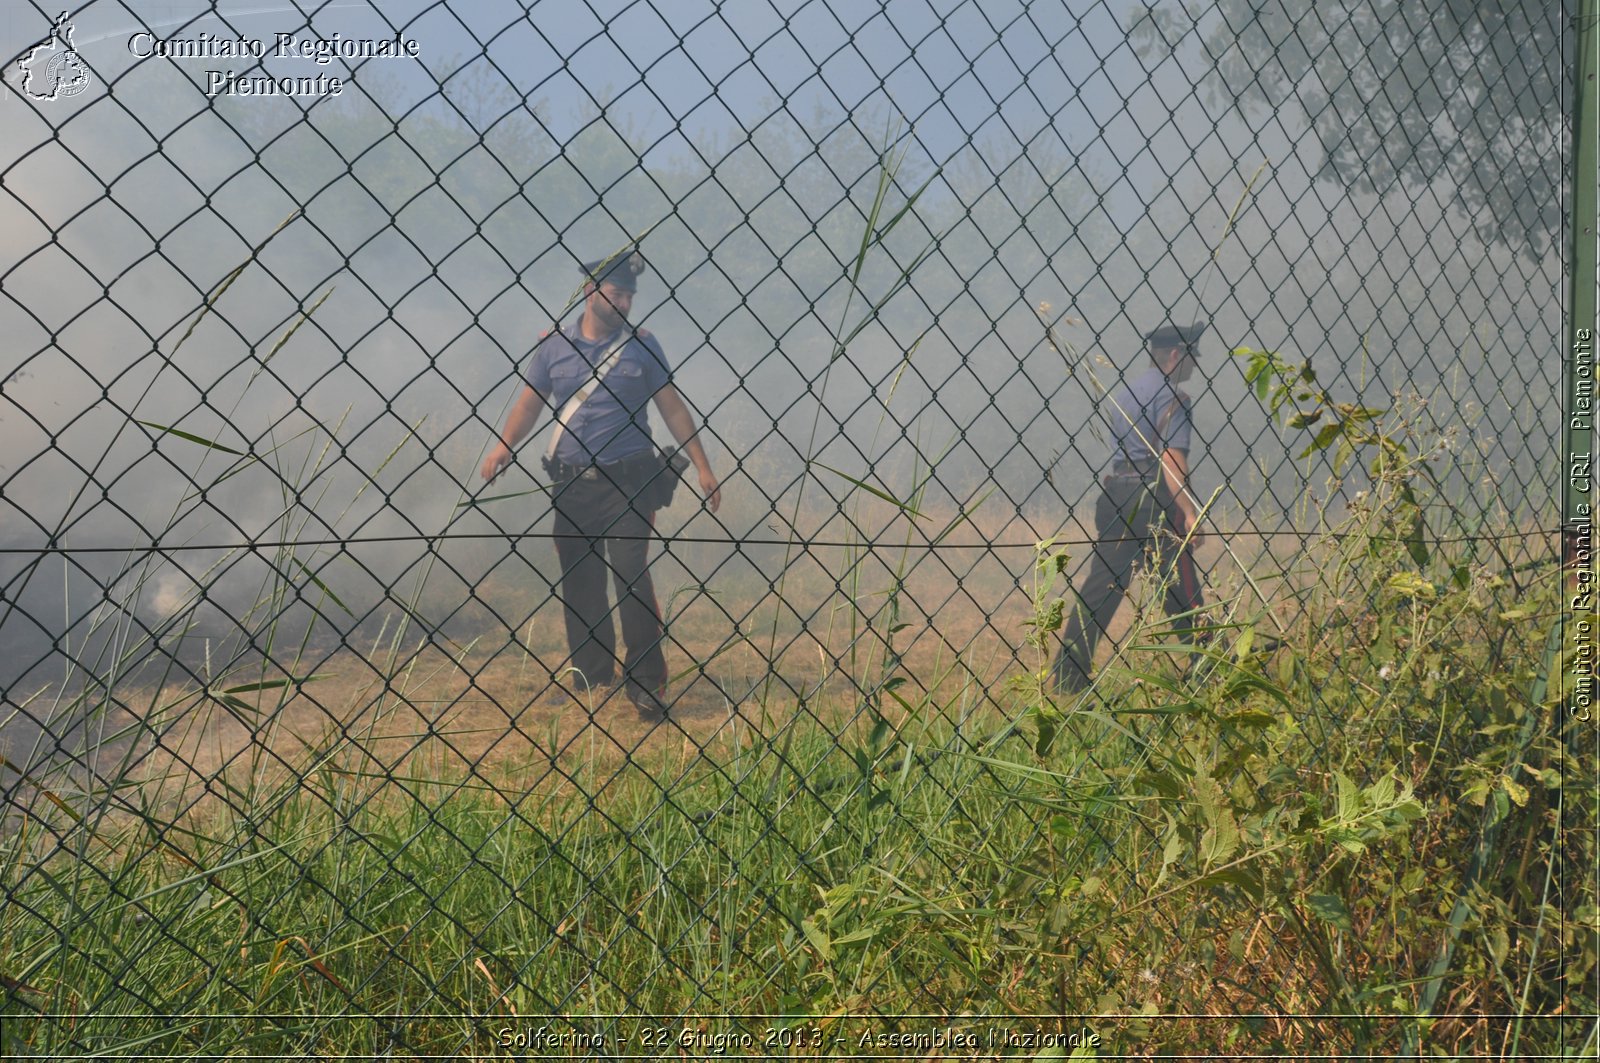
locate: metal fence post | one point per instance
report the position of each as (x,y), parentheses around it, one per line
(1579,392)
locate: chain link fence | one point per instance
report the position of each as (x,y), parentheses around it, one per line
(298,759)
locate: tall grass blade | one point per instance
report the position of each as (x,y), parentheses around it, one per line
(876,491)
(191,437)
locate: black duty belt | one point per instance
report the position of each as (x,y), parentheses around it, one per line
(560,470)
(563,471)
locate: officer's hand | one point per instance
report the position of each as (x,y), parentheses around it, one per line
(710,489)
(495,463)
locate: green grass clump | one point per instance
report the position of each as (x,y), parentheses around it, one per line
(785,878)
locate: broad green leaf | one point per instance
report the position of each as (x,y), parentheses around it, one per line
(1221,836)
(1412,585)
(1220,840)
(1349,797)
(855,937)
(1046,736)
(1381,792)
(818,939)
(1515,790)
(1330,909)
(1240,877)
(1325,436)
(1170,852)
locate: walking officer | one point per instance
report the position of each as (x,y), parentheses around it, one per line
(607,477)
(1145,495)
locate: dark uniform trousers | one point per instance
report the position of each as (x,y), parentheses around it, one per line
(1131,514)
(601,527)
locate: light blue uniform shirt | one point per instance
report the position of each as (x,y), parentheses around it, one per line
(1158,410)
(613,424)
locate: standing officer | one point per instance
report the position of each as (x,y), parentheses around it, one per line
(1145,495)
(607,477)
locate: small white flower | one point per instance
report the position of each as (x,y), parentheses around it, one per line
(1385,672)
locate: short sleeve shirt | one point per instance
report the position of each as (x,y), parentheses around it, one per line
(613,424)
(1159,412)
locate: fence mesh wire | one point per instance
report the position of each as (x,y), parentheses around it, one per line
(291,725)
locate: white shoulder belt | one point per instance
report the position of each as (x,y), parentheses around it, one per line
(570,407)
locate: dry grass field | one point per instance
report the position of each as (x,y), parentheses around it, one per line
(745,663)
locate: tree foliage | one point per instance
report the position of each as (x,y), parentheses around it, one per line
(1458,94)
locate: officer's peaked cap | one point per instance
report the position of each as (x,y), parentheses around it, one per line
(1171,335)
(621,269)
